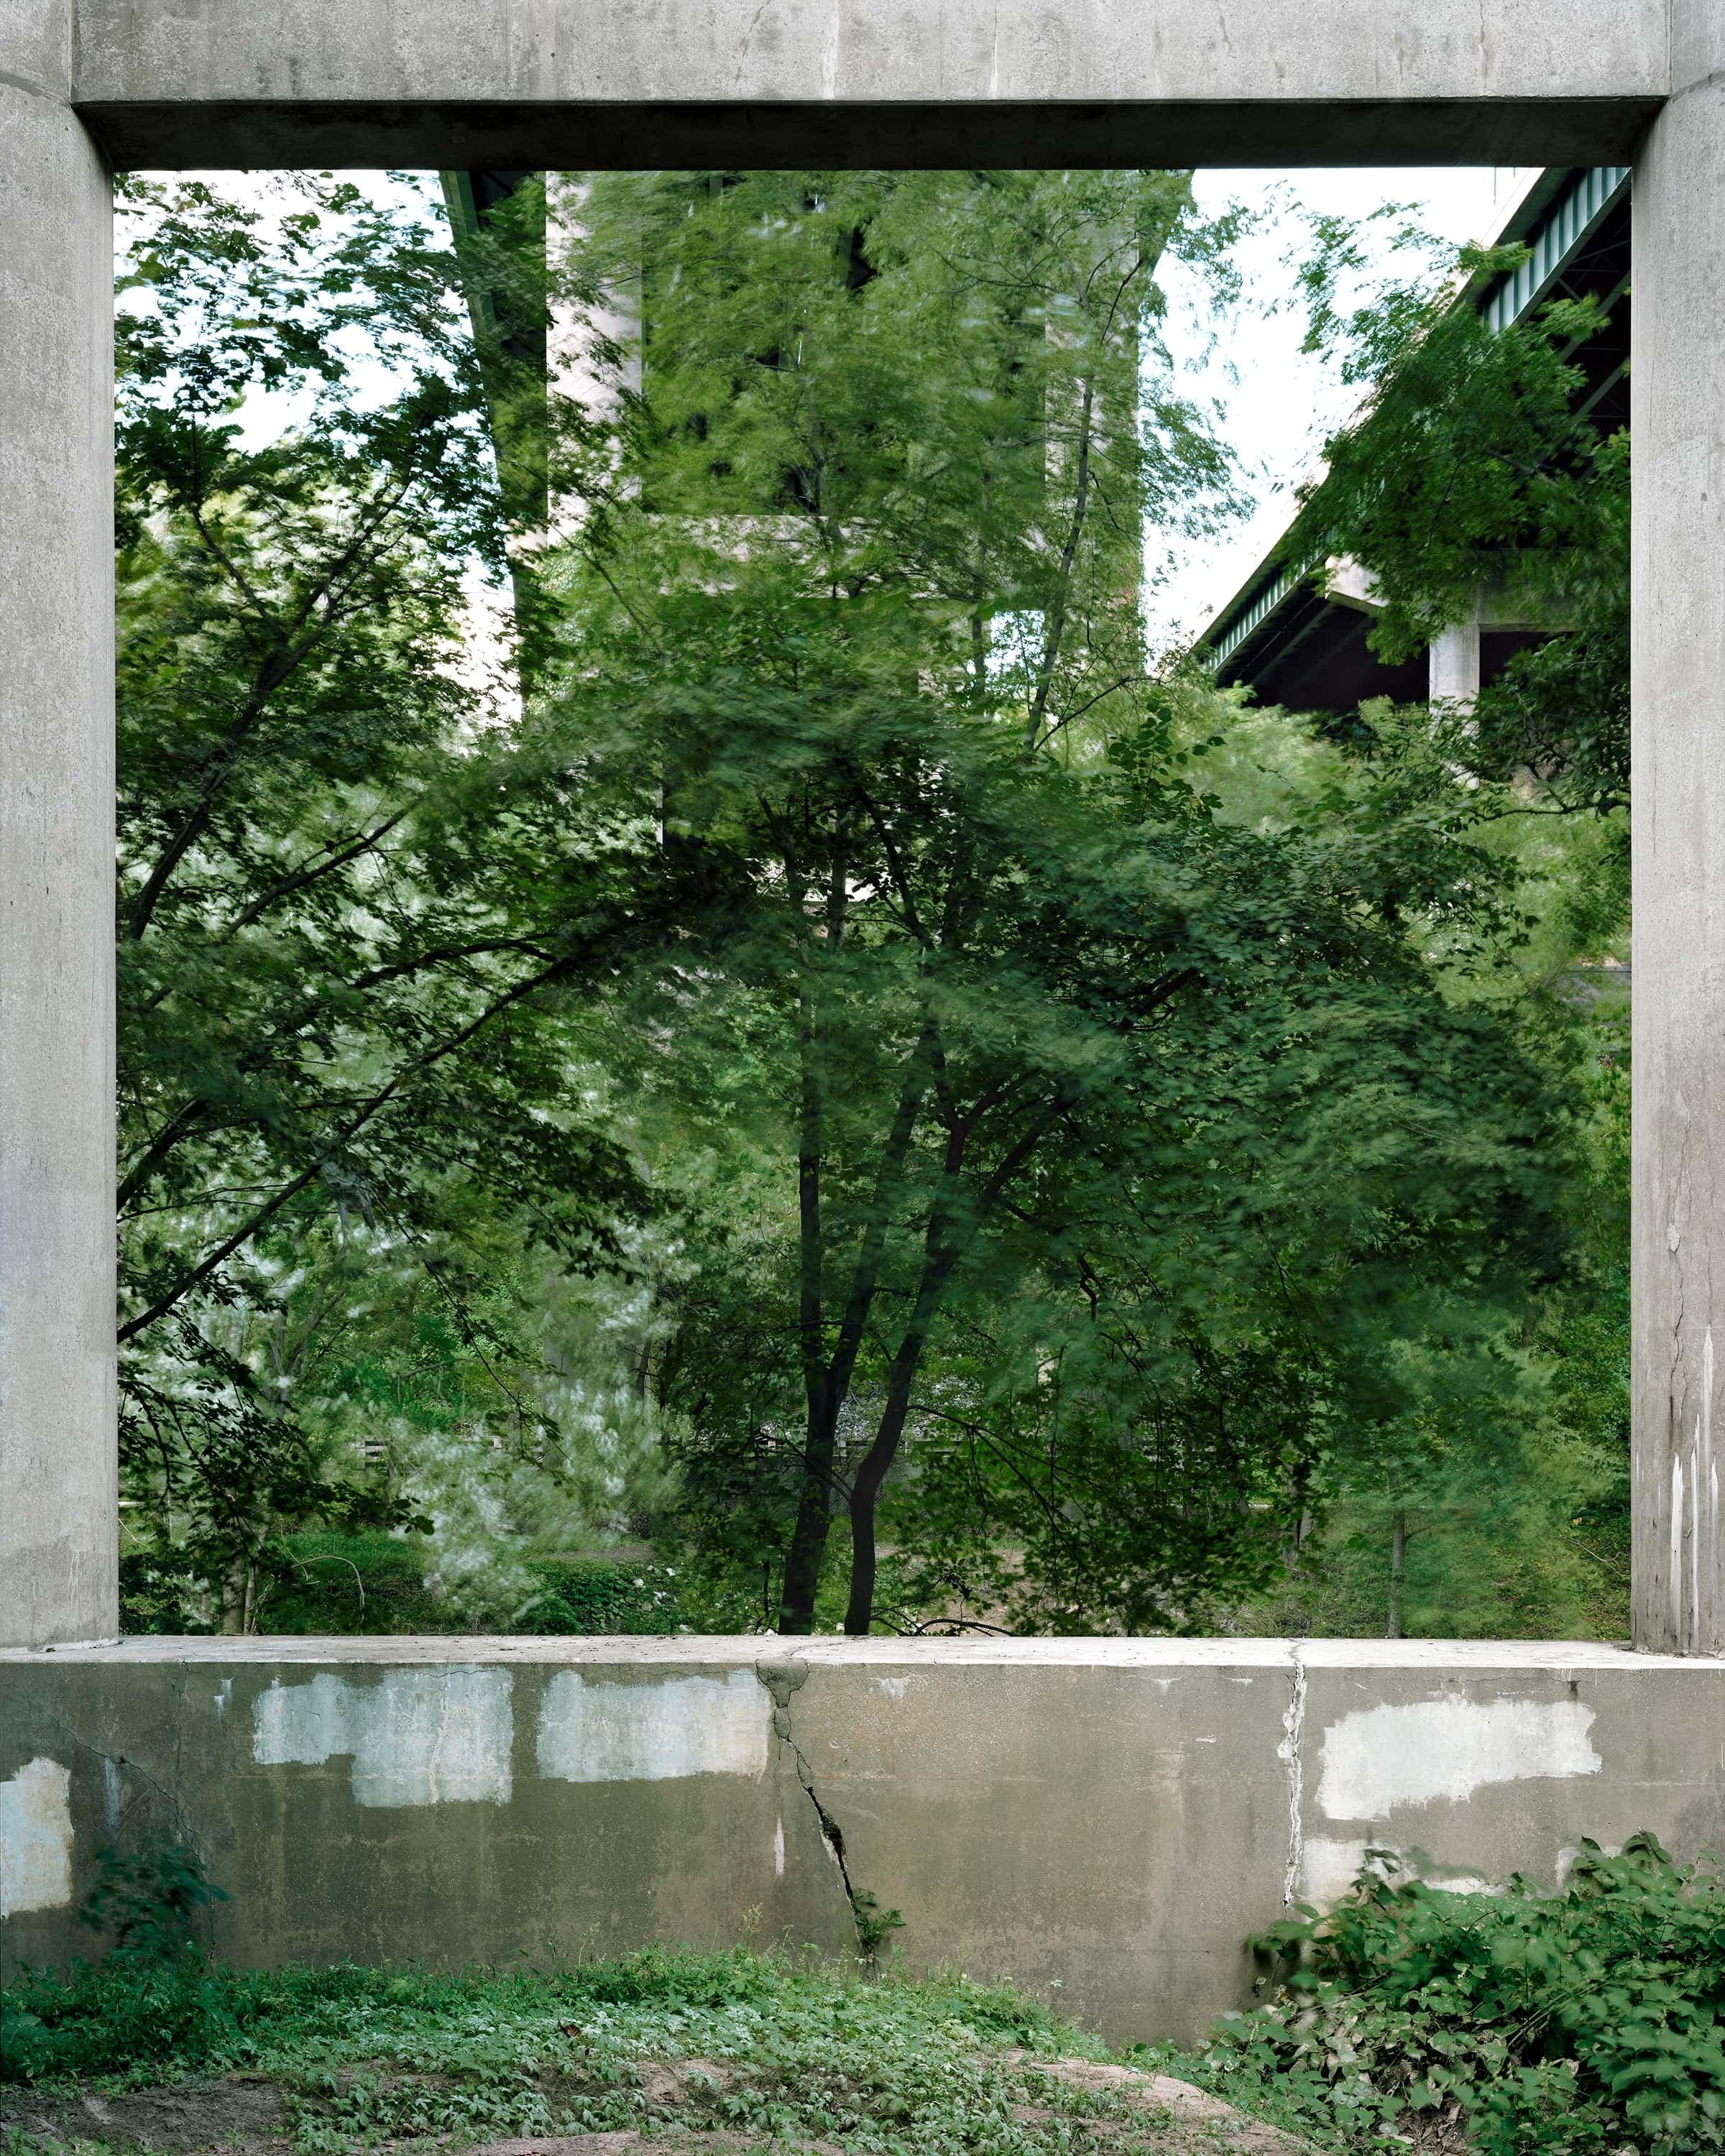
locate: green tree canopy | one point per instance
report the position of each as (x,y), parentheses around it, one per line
(1090,1150)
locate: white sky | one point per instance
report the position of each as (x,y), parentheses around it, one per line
(1280,404)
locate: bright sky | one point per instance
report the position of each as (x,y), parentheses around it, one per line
(1280,404)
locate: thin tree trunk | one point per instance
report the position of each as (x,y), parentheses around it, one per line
(807,1552)
(1397,1559)
(805,1558)
(943,1253)
(827,1386)
(808,1537)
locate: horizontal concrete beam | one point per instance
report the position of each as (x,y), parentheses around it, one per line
(1114,1817)
(581,84)
(863,136)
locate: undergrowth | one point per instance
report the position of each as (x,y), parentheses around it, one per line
(1522,2023)
(364,2056)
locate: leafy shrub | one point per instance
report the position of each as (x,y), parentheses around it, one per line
(1587,2020)
(151,1901)
(604,1596)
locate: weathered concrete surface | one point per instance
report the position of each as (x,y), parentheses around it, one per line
(1677,391)
(57,1516)
(1453,663)
(1113,1816)
(581,84)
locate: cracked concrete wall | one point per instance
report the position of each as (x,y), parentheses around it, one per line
(1106,1821)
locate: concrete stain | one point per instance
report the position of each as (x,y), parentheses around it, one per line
(416,1737)
(1377,1761)
(598,1730)
(36,1839)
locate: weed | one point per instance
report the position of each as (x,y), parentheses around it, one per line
(151,1902)
(1522,2023)
(797,2049)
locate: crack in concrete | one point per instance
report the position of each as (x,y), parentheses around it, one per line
(781,1679)
(1289,1753)
(117,1765)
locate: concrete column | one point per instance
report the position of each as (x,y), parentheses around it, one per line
(1678,676)
(1453,664)
(58,1518)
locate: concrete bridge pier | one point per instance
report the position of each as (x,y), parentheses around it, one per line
(58,1519)
(1055,82)
(1678,669)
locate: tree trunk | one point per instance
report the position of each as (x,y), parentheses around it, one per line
(827,1386)
(1397,1559)
(807,1552)
(866,1485)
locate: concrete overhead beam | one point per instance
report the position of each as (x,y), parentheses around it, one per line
(569,84)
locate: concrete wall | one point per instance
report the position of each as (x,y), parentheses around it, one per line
(580,84)
(58,1521)
(1111,1816)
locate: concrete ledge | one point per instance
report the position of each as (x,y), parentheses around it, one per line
(1112,1816)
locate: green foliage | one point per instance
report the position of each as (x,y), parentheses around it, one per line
(1067,1159)
(835,1070)
(874,1925)
(1475,475)
(322,1582)
(799,2049)
(1593,2019)
(351,1151)
(1471,465)
(150,1902)
(622,1597)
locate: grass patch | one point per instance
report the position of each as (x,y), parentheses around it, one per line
(775,2047)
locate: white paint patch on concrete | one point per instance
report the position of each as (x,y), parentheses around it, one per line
(895,1687)
(36,1839)
(778,1848)
(1328,1869)
(1384,1758)
(223,1693)
(418,1737)
(1330,1866)
(603,1731)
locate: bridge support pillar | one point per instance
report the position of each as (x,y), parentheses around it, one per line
(1453,663)
(58,1519)
(1678,430)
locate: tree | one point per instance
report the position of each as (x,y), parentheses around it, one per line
(1477,468)
(339,1013)
(1057,1103)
